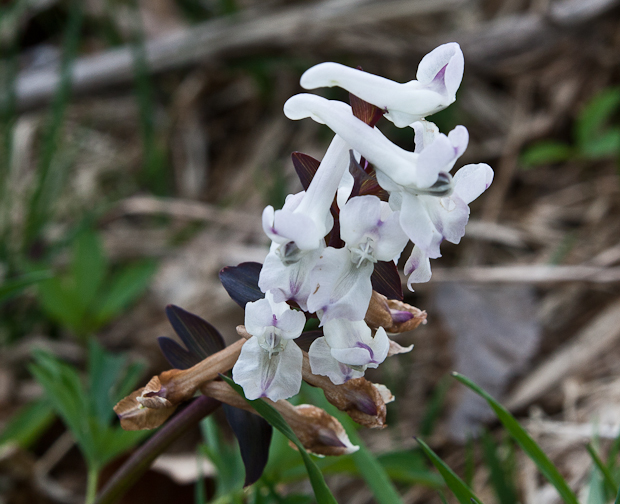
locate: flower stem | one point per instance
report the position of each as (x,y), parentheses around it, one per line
(91,485)
(141,460)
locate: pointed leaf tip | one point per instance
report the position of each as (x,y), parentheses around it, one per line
(200,337)
(241,282)
(305,167)
(254,436)
(386,280)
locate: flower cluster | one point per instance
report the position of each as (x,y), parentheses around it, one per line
(361,206)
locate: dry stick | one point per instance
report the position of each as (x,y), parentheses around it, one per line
(591,342)
(245,31)
(533,274)
(186,209)
(305,26)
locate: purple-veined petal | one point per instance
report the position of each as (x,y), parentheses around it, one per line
(418,267)
(352,343)
(443,68)
(323,363)
(368,221)
(417,224)
(289,282)
(449,216)
(276,377)
(341,288)
(472,180)
(283,226)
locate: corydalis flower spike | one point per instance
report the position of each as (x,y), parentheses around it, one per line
(439,75)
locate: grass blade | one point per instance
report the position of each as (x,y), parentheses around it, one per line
(460,490)
(607,477)
(500,478)
(321,490)
(524,440)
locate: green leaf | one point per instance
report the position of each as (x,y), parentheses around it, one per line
(593,118)
(460,490)
(61,304)
(321,490)
(524,440)
(98,442)
(25,427)
(126,287)
(14,286)
(109,380)
(500,479)
(546,152)
(88,267)
(617,501)
(606,144)
(607,477)
(64,390)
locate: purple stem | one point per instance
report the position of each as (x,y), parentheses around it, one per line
(131,471)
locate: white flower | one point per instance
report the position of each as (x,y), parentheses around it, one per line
(305,219)
(270,363)
(347,350)
(439,76)
(371,233)
(428,220)
(289,280)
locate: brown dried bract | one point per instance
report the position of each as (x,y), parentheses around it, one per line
(393,315)
(359,398)
(135,416)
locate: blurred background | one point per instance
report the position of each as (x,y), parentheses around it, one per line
(139,143)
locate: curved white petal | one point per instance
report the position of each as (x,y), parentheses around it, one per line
(449,216)
(439,76)
(397,163)
(288,226)
(342,289)
(418,267)
(277,376)
(417,224)
(352,343)
(443,67)
(472,180)
(366,222)
(323,363)
(289,282)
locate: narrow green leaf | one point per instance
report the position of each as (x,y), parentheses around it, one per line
(88,267)
(595,115)
(504,489)
(321,490)
(14,286)
(460,490)
(524,440)
(617,501)
(607,477)
(61,304)
(546,152)
(126,287)
(25,427)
